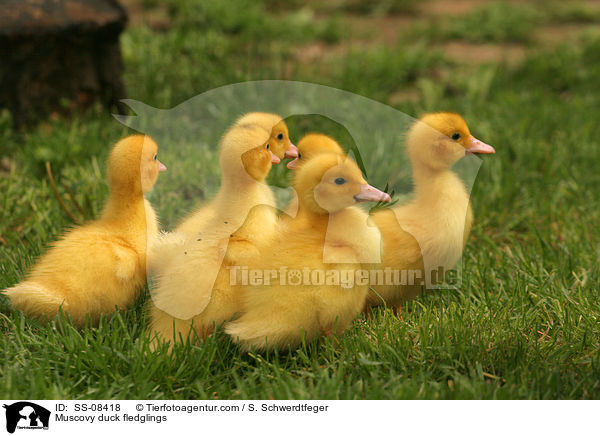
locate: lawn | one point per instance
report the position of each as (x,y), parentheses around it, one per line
(525,323)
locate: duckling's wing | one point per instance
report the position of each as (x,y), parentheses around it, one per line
(399,244)
(126,262)
(184,287)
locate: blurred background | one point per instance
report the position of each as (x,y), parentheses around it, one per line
(396,51)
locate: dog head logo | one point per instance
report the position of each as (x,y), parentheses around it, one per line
(26,415)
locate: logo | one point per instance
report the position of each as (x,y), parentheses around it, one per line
(26,415)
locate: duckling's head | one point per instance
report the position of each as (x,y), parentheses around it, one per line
(329,182)
(312,144)
(280,143)
(258,161)
(133,164)
(253,130)
(438,140)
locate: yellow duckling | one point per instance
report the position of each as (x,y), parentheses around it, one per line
(237,194)
(430,232)
(309,297)
(193,294)
(240,191)
(99,266)
(309,146)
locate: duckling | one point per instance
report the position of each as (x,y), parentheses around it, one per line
(99,266)
(280,312)
(239,191)
(193,294)
(237,194)
(431,230)
(310,145)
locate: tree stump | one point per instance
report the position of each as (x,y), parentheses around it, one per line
(59,55)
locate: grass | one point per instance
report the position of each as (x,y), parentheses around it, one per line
(494,22)
(526,321)
(505,22)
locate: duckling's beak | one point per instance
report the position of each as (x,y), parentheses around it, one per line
(293,164)
(161,167)
(477,146)
(274,159)
(370,193)
(291,152)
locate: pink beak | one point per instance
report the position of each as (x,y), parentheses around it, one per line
(477,146)
(291,152)
(274,159)
(370,193)
(293,164)
(161,167)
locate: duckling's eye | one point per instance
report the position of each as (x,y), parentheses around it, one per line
(299,155)
(340,181)
(267,146)
(456,136)
(280,136)
(155,156)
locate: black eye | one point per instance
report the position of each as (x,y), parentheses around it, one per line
(280,136)
(267,146)
(155,156)
(299,155)
(340,181)
(456,136)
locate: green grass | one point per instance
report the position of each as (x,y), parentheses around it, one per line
(495,22)
(504,21)
(372,7)
(524,324)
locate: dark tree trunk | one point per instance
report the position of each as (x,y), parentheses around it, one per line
(59,55)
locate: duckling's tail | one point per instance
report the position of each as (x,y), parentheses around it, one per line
(246,336)
(258,331)
(34,299)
